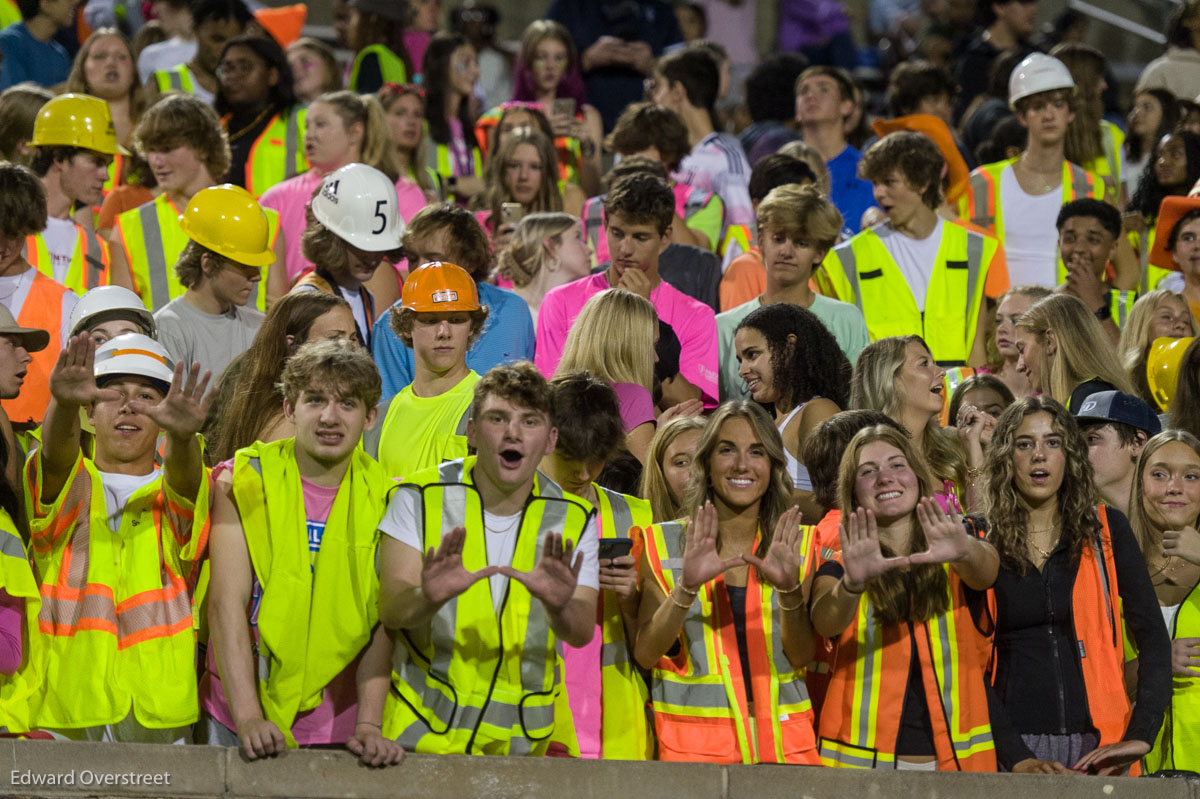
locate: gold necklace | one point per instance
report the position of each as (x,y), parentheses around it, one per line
(1040,551)
(257,119)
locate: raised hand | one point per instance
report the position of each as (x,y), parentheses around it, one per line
(974,427)
(1183,543)
(945,535)
(555,576)
(701,562)
(181,413)
(862,558)
(73,379)
(443,576)
(1185,657)
(635,280)
(781,566)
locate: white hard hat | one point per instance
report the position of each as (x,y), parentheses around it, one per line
(358,203)
(134,354)
(1038,72)
(111,302)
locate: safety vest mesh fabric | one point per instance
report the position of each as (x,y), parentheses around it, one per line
(391,66)
(1151,274)
(177,79)
(20,693)
(860,718)
(863,272)
(437,157)
(625,733)
(1178,743)
(981,206)
(152,241)
(1108,166)
(116,617)
(701,709)
(313,620)
(278,152)
(472,681)
(89,261)
(42,309)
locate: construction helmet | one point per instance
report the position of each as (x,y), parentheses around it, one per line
(110,302)
(134,354)
(438,286)
(229,221)
(1037,73)
(1162,367)
(76,120)
(358,203)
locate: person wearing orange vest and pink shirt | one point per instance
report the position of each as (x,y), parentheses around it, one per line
(34,300)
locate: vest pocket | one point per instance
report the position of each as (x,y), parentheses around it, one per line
(798,739)
(683,738)
(536,714)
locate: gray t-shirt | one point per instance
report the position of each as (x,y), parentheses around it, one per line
(192,335)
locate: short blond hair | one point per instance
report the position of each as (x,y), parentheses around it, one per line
(802,214)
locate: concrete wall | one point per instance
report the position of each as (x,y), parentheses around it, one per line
(98,770)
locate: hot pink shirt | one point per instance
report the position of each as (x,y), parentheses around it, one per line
(290,197)
(694,323)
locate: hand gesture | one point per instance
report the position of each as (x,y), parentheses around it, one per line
(181,413)
(1133,222)
(1084,283)
(635,280)
(1185,654)
(73,379)
(443,576)
(945,535)
(555,576)
(372,748)
(1183,543)
(260,738)
(1113,759)
(781,566)
(692,407)
(974,428)
(701,562)
(861,557)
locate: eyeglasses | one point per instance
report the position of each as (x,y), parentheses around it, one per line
(236,68)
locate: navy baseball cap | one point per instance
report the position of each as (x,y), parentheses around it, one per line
(1116,406)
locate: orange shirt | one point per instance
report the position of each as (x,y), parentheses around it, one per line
(745,279)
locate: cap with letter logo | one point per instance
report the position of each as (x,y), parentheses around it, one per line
(1116,406)
(440,286)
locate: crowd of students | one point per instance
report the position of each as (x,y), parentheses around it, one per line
(753,448)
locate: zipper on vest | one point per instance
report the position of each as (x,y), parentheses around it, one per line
(1062,700)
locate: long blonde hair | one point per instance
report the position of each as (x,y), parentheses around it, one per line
(1135,337)
(524,257)
(1083,351)
(653,487)
(365,110)
(1148,536)
(613,338)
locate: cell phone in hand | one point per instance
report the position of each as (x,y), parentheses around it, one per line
(511,212)
(564,106)
(611,548)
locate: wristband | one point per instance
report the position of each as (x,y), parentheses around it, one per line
(678,604)
(369,724)
(1104,312)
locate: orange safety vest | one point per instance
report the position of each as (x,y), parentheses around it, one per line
(89,260)
(42,309)
(860,719)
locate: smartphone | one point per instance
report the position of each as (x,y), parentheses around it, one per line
(511,213)
(564,106)
(615,548)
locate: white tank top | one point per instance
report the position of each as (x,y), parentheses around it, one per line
(1169,613)
(797,470)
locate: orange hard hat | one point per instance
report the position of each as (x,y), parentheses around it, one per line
(956,168)
(440,286)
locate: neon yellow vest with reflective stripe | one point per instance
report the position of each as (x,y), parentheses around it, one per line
(1151,275)
(278,152)
(153,241)
(1109,166)
(9,13)
(176,79)
(863,272)
(391,67)
(314,619)
(472,681)
(441,164)
(1178,744)
(89,261)
(20,693)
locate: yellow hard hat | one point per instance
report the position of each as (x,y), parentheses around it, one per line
(1162,367)
(77,120)
(229,221)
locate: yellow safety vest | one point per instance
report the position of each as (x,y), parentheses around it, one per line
(1151,274)
(176,79)
(1178,744)
(699,695)
(402,445)
(116,617)
(89,261)
(437,158)
(472,682)
(1109,166)
(152,241)
(391,67)
(20,694)
(313,620)
(9,13)
(278,153)
(863,272)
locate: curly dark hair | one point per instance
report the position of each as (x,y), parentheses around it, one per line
(1007,512)
(1150,193)
(914,156)
(809,366)
(642,199)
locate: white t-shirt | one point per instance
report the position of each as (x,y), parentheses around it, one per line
(1030,237)
(357,307)
(59,236)
(118,488)
(15,288)
(400,522)
(164,55)
(915,257)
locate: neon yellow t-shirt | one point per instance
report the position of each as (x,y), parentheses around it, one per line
(419,432)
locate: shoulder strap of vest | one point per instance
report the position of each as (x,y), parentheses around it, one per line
(461,430)
(372,437)
(92,255)
(849,263)
(451,472)
(156,256)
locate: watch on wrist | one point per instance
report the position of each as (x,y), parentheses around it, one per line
(1104,312)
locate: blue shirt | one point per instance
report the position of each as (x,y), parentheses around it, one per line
(851,194)
(507,336)
(22,58)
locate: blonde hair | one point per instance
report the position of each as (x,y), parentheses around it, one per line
(806,153)
(333,70)
(654,487)
(523,258)
(613,338)
(1144,530)
(1135,337)
(801,213)
(358,109)
(1083,352)
(994,359)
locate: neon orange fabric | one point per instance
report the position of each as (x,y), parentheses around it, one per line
(744,280)
(42,309)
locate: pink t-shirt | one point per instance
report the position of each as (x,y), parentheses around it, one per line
(333,720)
(636,403)
(693,321)
(595,205)
(290,197)
(12,612)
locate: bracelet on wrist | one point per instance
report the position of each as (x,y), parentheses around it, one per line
(790,608)
(684,589)
(677,603)
(369,724)
(790,591)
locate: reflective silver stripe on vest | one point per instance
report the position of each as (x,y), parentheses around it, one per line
(695,202)
(871,636)
(844,758)
(10,545)
(292,143)
(94,267)
(1122,305)
(667,687)
(372,437)
(849,262)
(461,430)
(948,688)
(974,266)
(614,653)
(593,222)
(1104,586)
(1079,179)
(175,80)
(980,190)
(618,508)
(156,257)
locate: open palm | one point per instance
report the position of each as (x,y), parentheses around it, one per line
(554,578)
(443,575)
(862,558)
(183,410)
(701,563)
(945,535)
(781,566)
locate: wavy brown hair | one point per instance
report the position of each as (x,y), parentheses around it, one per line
(918,593)
(1007,511)
(497,191)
